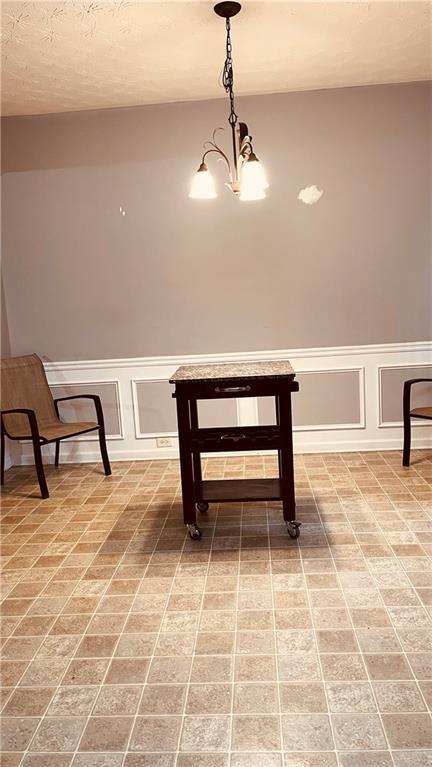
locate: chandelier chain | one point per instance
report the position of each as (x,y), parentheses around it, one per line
(228,75)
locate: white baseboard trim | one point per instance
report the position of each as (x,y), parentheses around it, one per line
(171,453)
(133,444)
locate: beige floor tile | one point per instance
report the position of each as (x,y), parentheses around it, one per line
(117,700)
(55,734)
(73,701)
(257,697)
(163,699)
(306,732)
(106,733)
(85,671)
(388,666)
(203,699)
(205,733)
(47,760)
(398,696)
(299,667)
(200,760)
(127,671)
(17,732)
(421,664)
(210,668)
(338,667)
(303,697)
(302,759)
(44,672)
(350,697)
(257,733)
(358,732)
(97,760)
(28,702)
(411,758)
(426,689)
(97,646)
(366,759)
(256,760)
(408,730)
(156,733)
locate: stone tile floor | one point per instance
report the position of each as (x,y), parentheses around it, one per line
(126,644)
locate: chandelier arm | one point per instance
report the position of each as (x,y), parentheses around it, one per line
(220,153)
(246,146)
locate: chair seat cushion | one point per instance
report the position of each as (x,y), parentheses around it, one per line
(59,430)
(422,412)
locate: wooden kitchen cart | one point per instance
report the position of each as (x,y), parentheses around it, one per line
(242,379)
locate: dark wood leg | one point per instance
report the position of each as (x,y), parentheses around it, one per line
(39,468)
(287,458)
(196,455)
(57,452)
(186,464)
(277,407)
(104,451)
(407,439)
(2,458)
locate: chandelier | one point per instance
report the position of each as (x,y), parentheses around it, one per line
(246,175)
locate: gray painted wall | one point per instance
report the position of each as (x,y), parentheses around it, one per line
(5,339)
(176,275)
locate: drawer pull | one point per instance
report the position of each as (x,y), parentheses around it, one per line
(231,389)
(234,437)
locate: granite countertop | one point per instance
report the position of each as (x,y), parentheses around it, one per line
(230,370)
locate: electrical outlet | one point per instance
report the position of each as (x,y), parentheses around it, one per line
(164,442)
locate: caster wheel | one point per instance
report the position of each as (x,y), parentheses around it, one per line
(293,529)
(194,532)
(202,507)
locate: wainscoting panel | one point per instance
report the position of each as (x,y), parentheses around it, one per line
(347,396)
(222,412)
(391,380)
(84,409)
(328,399)
(154,408)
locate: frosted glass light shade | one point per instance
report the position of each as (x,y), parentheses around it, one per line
(203,187)
(253,180)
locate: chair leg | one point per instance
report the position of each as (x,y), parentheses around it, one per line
(40,469)
(57,452)
(407,440)
(2,458)
(104,452)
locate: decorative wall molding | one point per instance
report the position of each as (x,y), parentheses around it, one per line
(138,433)
(97,382)
(133,444)
(272,354)
(362,402)
(391,424)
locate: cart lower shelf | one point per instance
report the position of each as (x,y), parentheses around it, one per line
(218,490)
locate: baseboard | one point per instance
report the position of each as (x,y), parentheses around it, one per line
(93,456)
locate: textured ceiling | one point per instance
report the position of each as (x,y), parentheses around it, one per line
(62,56)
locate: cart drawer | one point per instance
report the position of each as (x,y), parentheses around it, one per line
(236,438)
(236,388)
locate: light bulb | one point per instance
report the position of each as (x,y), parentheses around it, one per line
(203,187)
(253,180)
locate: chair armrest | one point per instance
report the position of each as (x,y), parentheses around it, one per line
(407,393)
(94,397)
(31,415)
